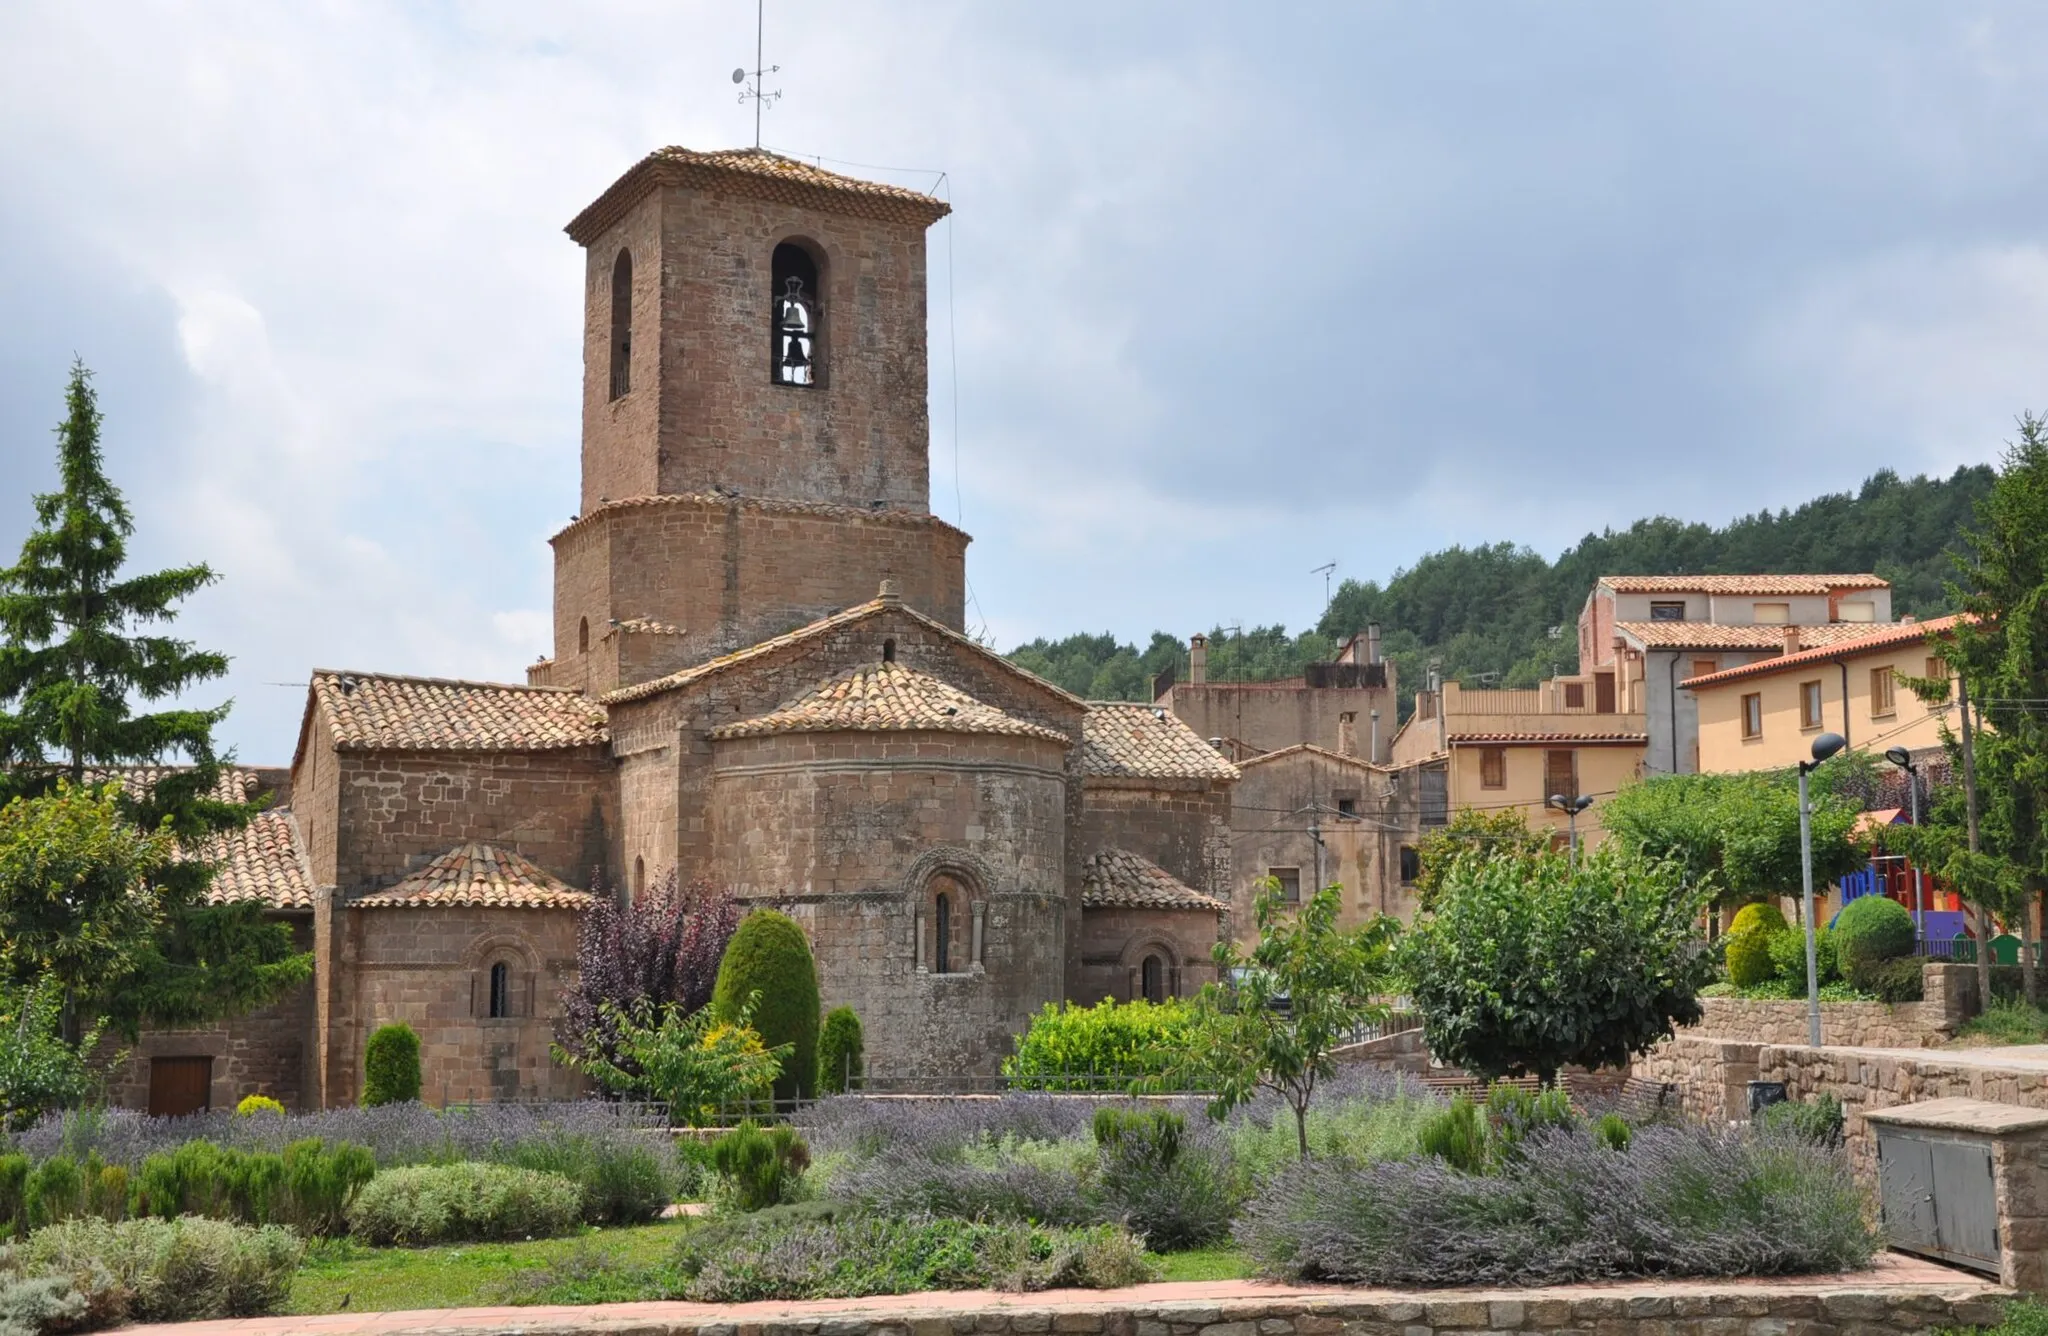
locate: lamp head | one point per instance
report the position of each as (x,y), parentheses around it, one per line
(1582,803)
(1554,800)
(1899,757)
(1826,745)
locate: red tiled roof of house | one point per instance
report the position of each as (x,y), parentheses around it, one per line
(1574,737)
(1131,740)
(479,876)
(265,861)
(1872,641)
(1741,584)
(1120,879)
(1307,749)
(886,697)
(383,712)
(761,174)
(1714,635)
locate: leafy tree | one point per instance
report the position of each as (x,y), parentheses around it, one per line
(769,975)
(74,663)
(39,1071)
(698,1063)
(1529,966)
(662,947)
(1473,833)
(1305,989)
(77,903)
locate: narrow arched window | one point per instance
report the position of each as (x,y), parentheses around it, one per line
(1152,979)
(639,877)
(793,317)
(622,324)
(583,635)
(889,650)
(501,991)
(942,922)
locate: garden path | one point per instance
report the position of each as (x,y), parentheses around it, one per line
(1893,1273)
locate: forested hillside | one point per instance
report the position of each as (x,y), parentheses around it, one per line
(1503,615)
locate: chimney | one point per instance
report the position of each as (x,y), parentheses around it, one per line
(1347,734)
(1198,659)
(1374,754)
(1372,642)
(1791,640)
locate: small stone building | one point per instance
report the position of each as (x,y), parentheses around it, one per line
(760,679)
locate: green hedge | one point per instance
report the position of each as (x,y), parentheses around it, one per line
(391,1065)
(445,1203)
(769,959)
(1106,1046)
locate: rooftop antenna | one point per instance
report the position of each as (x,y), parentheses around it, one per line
(1324,571)
(753,90)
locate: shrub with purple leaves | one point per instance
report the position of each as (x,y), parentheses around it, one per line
(662,948)
(1680,1201)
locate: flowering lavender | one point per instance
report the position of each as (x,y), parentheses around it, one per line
(663,947)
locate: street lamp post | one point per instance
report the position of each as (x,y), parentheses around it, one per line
(1571,807)
(1824,746)
(1903,759)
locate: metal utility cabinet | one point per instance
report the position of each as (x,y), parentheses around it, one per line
(1965,1181)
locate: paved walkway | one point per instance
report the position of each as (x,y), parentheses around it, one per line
(1892,1272)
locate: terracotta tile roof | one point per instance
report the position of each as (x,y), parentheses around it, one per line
(1576,737)
(822,627)
(1126,739)
(1713,635)
(1307,749)
(760,174)
(1869,642)
(645,626)
(265,861)
(1741,584)
(479,876)
(886,697)
(381,712)
(232,784)
(771,505)
(1119,879)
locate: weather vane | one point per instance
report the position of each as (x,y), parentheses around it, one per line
(758,73)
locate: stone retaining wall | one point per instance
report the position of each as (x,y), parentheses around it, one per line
(1949,994)
(1712,1075)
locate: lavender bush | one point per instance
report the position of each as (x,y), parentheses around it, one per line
(1681,1201)
(662,948)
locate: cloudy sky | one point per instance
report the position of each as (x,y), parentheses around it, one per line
(1231,290)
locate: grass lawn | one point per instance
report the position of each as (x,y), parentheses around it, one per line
(465,1274)
(1205,1264)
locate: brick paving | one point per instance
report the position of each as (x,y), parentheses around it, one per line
(1896,1281)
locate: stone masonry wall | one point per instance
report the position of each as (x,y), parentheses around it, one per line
(1712,1075)
(1115,942)
(1847,1024)
(267,1052)
(1182,826)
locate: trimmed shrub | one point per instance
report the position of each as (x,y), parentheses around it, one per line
(447,1203)
(55,1191)
(1898,980)
(623,1183)
(1788,957)
(309,1185)
(769,960)
(798,1254)
(759,1168)
(1749,957)
(162,1270)
(254,1104)
(1107,1046)
(840,1065)
(391,1065)
(1762,914)
(320,1184)
(1871,929)
(1680,1201)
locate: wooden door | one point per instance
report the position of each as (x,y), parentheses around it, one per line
(1603,693)
(179,1086)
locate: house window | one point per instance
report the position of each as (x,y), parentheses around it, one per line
(1575,695)
(1290,883)
(1809,704)
(1774,614)
(1937,670)
(794,320)
(1668,612)
(1701,667)
(1411,865)
(1493,767)
(1561,774)
(1152,979)
(1753,715)
(501,991)
(1881,702)
(622,325)
(1347,807)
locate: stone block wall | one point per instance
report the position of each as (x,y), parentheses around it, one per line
(1182,825)
(1845,1024)
(1115,942)
(1712,1075)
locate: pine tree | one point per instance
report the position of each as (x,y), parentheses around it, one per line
(75,664)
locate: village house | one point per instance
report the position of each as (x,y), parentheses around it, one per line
(1642,636)
(1347,705)
(760,680)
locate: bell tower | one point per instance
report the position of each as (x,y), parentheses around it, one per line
(755,429)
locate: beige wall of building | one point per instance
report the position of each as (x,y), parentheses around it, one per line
(1765,716)
(1493,777)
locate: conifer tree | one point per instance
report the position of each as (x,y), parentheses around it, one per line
(77,662)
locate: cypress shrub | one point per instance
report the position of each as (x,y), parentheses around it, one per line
(391,1065)
(769,960)
(1749,958)
(757,1169)
(1873,929)
(839,1052)
(55,1191)
(13,1196)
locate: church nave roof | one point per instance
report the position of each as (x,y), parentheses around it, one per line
(886,697)
(385,712)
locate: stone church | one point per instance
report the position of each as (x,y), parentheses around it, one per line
(761,679)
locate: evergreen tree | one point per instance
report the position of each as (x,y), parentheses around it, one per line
(76,662)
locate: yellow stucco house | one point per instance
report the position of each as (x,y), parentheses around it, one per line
(1765,715)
